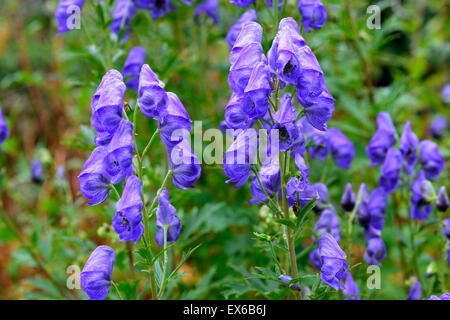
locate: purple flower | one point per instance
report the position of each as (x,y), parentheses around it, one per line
(348,198)
(233,32)
(390,171)
(118,162)
(96,275)
(287,279)
(184,164)
(270,4)
(318,140)
(242,3)
(152,96)
(257,91)
(445,94)
(442,201)
(314,14)
(408,146)
(174,122)
(383,139)
(297,189)
(249,36)
(445,296)
(439,127)
(235,116)
(419,209)
(341,148)
(334,266)
(270,177)
(4,130)
(132,67)
(350,290)
(159,8)
(207,8)
(314,257)
(93,179)
(64,11)
(328,223)
(363,209)
(375,251)
(124,11)
(128,219)
(431,159)
(166,218)
(415,292)
(323,201)
(240,157)
(377,207)
(37,171)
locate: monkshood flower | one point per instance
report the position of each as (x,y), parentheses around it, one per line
(438,127)
(390,171)
(319,140)
(383,139)
(240,157)
(442,202)
(314,14)
(328,223)
(250,35)
(152,98)
(124,11)
(270,178)
(377,207)
(37,171)
(235,116)
(93,179)
(207,8)
(118,162)
(445,296)
(431,159)
(4,130)
(166,218)
(64,11)
(159,8)
(174,123)
(348,200)
(415,292)
(257,91)
(287,279)
(334,266)
(242,3)
(314,257)
(95,279)
(184,164)
(408,146)
(324,200)
(132,68)
(341,148)
(270,4)
(298,190)
(445,94)
(128,219)
(419,209)
(363,209)
(350,290)
(233,32)
(375,251)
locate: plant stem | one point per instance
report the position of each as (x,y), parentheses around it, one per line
(163,282)
(117,289)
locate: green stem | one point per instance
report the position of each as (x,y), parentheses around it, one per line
(117,289)
(163,282)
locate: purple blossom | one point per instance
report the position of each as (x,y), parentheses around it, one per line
(408,147)
(184,165)
(419,209)
(207,8)
(438,127)
(445,94)
(128,219)
(157,8)
(341,148)
(152,98)
(377,207)
(314,14)
(269,3)
(415,292)
(37,171)
(328,223)
(442,202)
(124,11)
(132,67)
(431,159)
(334,266)
(323,201)
(242,3)
(166,217)
(314,257)
(233,32)
(257,91)
(390,171)
(375,251)
(4,130)
(297,189)
(363,209)
(350,290)
(235,116)
(64,11)
(348,200)
(444,296)
(270,178)
(250,34)
(383,139)
(95,278)
(287,279)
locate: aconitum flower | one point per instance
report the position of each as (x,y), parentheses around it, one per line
(93,179)
(287,279)
(408,146)
(341,148)
(431,159)
(118,162)
(375,251)
(37,171)
(314,257)
(270,4)
(235,116)
(324,200)
(334,265)
(174,123)
(250,36)
(383,139)
(233,32)
(4,130)
(124,11)
(207,8)
(257,91)
(159,8)
(64,11)
(445,94)
(328,223)
(445,296)
(132,67)
(152,98)
(419,209)
(240,157)
(377,207)
(348,198)
(442,202)
(184,164)
(270,178)
(242,3)
(390,171)
(438,127)
(363,209)
(128,219)
(166,218)
(298,190)
(314,14)
(95,279)
(350,290)
(415,292)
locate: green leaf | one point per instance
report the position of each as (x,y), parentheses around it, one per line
(287,223)
(183,260)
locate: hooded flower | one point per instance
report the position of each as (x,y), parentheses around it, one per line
(257,91)
(93,179)
(235,116)
(132,67)
(341,148)
(287,279)
(249,36)
(419,209)
(297,189)
(314,14)
(408,146)
(442,202)
(415,293)
(375,251)
(431,159)
(233,32)
(363,209)
(65,11)
(270,178)
(328,223)
(314,257)
(128,219)
(165,216)
(207,8)
(323,201)
(184,164)
(445,296)
(390,171)
(242,3)
(438,127)
(152,98)
(377,207)
(4,130)
(37,171)
(95,278)
(124,11)
(350,290)
(334,266)
(159,8)
(383,139)
(118,162)
(348,200)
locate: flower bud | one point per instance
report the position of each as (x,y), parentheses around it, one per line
(442,202)
(348,198)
